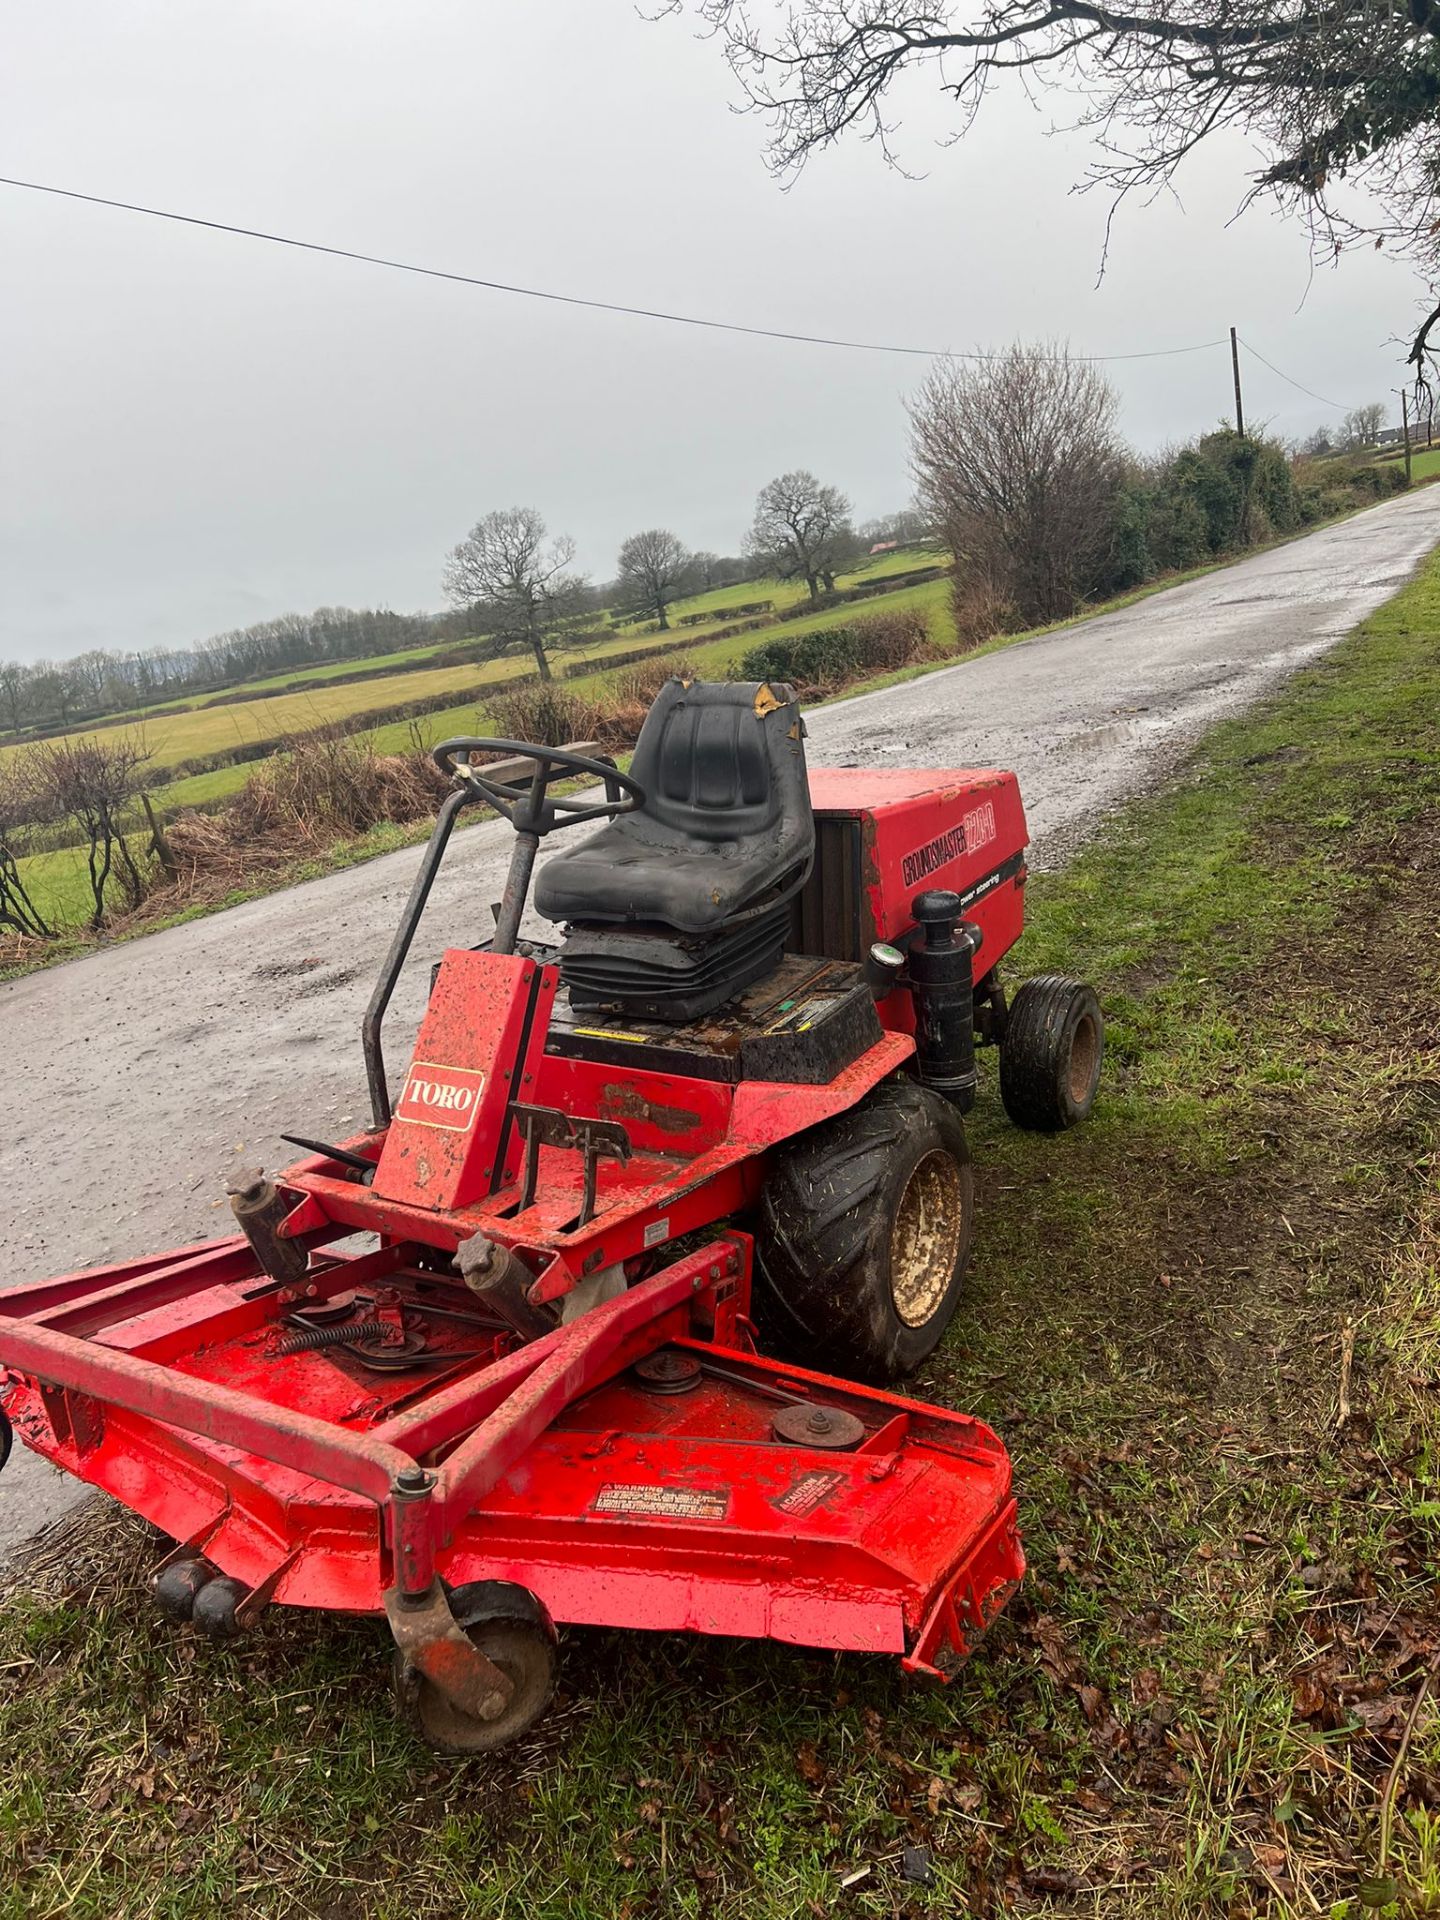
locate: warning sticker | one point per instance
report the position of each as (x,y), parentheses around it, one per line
(811,1490)
(657,1233)
(664,1503)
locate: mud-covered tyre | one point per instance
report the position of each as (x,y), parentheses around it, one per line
(1051,1054)
(864,1232)
(509,1626)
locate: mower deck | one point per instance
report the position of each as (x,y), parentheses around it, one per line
(315,1479)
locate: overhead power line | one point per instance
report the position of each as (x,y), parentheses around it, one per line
(1338,405)
(563,299)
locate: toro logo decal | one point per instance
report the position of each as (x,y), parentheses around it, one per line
(441,1096)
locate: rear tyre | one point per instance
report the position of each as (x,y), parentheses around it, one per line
(511,1627)
(865,1231)
(1051,1053)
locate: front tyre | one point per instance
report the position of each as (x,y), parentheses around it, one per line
(864,1233)
(1051,1053)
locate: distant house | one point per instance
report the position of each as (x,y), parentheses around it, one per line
(884,546)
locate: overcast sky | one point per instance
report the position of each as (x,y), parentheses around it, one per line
(198,430)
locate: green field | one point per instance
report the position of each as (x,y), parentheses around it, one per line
(410,660)
(59,882)
(722,601)
(406,659)
(57,879)
(176,735)
(1424,462)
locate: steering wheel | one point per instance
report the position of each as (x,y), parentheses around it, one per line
(531,809)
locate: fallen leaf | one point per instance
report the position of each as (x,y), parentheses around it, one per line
(1145,1686)
(1382,1715)
(1092,1703)
(1055,1655)
(1052,1880)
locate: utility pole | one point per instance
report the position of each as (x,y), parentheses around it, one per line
(1235,363)
(1405,416)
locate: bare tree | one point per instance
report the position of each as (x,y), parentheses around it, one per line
(1019,461)
(1328,89)
(518,580)
(903,529)
(1364,425)
(13,678)
(652,566)
(709,570)
(91,781)
(801,530)
(20,812)
(52,694)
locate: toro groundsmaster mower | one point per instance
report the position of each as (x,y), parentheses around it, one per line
(490,1365)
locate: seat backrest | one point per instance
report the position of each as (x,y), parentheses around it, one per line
(721,760)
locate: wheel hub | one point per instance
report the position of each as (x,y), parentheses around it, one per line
(925,1239)
(1084,1060)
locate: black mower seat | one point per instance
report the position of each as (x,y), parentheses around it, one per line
(726,825)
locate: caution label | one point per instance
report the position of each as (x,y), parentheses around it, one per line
(663,1503)
(811,1490)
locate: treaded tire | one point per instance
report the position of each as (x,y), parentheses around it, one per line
(864,1233)
(1051,1054)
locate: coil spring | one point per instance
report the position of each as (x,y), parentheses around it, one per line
(316,1339)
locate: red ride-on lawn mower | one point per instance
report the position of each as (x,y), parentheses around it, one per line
(490,1365)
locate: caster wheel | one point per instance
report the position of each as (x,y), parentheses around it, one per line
(511,1627)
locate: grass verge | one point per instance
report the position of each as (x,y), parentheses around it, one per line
(1208,1326)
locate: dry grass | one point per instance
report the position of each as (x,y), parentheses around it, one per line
(326,787)
(613,714)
